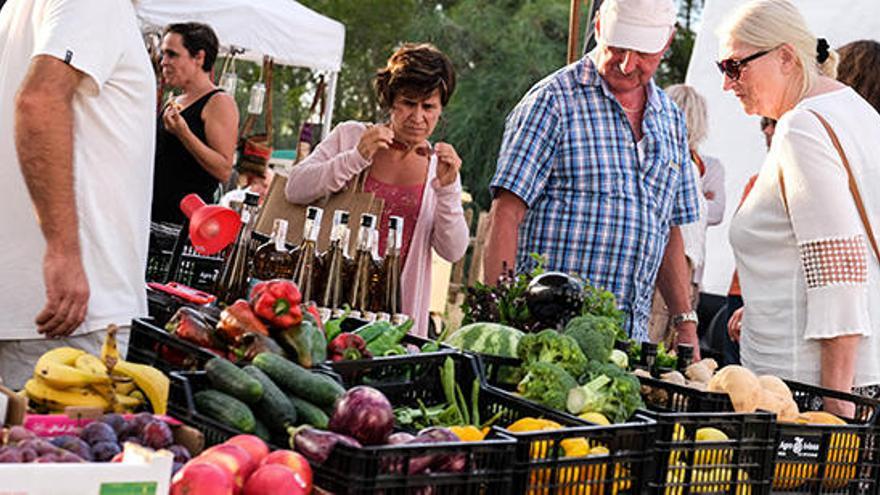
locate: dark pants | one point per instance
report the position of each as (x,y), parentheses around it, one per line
(731,348)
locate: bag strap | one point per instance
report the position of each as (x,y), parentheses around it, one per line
(853,186)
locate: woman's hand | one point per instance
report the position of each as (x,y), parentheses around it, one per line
(448,163)
(734,325)
(174,123)
(377,137)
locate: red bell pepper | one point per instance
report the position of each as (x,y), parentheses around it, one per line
(238,319)
(277,303)
(189,325)
(347,346)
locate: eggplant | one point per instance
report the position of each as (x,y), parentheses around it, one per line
(451,463)
(400,437)
(553,298)
(317,445)
(364,414)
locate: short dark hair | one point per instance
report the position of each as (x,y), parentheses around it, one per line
(415,69)
(767,122)
(859,67)
(197,36)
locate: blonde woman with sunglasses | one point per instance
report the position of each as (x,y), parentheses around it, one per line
(809,274)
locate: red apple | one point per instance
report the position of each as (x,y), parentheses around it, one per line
(236,459)
(275,479)
(254,445)
(201,478)
(118,457)
(293,460)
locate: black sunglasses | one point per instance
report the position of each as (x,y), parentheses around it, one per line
(733,68)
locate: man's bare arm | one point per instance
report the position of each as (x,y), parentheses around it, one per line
(507,212)
(44,143)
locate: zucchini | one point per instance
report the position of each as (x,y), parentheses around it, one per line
(274,407)
(309,413)
(225,409)
(318,389)
(229,378)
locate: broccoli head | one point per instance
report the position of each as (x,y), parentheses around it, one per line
(549,346)
(547,384)
(608,390)
(594,334)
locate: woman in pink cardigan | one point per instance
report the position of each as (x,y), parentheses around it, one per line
(417,181)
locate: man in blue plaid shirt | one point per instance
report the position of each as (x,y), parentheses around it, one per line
(594,172)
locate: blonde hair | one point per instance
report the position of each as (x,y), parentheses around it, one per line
(696,116)
(766,24)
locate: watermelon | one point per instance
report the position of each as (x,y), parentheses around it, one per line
(492,339)
(486,338)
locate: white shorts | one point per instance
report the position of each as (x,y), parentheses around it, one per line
(18,357)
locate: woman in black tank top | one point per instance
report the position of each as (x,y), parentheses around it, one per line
(177,173)
(194,144)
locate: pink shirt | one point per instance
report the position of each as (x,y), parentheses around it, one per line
(402,201)
(439,225)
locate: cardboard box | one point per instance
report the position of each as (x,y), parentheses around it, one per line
(16,407)
(140,473)
(276,206)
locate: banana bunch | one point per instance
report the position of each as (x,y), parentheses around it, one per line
(72,377)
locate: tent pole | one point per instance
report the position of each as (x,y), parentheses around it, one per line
(574,15)
(328,104)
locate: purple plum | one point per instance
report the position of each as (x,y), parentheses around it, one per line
(157,435)
(98,432)
(105,451)
(116,421)
(10,455)
(181,454)
(27,454)
(74,444)
(18,433)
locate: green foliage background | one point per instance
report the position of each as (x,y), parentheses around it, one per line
(500,49)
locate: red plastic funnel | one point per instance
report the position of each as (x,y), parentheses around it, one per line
(211,227)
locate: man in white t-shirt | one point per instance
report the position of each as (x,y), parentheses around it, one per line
(77,131)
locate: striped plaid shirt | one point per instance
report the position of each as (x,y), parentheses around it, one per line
(594,207)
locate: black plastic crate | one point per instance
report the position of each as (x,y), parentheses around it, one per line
(193,269)
(582,458)
(664,396)
(182,406)
(395,372)
(148,344)
(829,459)
(742,464)
(499,371)
(809,458)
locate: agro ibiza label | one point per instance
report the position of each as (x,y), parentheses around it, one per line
(798,447)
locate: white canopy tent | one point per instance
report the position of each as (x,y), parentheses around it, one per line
(282,29)
(734,137)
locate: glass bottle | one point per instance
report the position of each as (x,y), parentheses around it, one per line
(360,285)
(329,283)
(390,271)
(233,282)
(305,253)
(685,355)
(272,260)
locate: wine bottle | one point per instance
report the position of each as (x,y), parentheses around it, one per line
(391,266)
(305,253)
(359,293)
(272,260)
(233,281)
(328,281)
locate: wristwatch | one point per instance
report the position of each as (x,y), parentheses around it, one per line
(690,316)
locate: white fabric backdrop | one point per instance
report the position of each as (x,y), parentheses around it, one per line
(288,32)
(734,137)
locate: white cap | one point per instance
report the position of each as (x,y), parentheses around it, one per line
(641,25)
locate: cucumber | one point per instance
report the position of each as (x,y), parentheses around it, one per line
(274,407)
(229,378)
(262,431)
(225,409)
(309,413)
(318,389)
